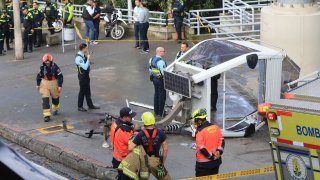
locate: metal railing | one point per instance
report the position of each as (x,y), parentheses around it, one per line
(236,20)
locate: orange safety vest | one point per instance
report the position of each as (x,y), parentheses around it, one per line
(112,131)
(210,138)
(120,140)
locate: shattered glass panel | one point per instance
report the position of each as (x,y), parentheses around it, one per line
(211,53)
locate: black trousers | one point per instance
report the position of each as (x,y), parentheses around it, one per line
(178,22)
(12,33)
(37,36)
(1,44)
(159,96)
(121,176)
(214,93)
(136,33)
(85,91)
(96,29)
(143,27)
(50,22)
(208,168)
(7,37)
(27,40)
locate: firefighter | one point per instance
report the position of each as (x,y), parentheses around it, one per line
(49,84)
(156,69)
(152,139)
(9,6)
(51,14)
(6,27)
(67,12)
(1,38)
(82,62)
(38,18)
(209,144)
(28,25)
(178,14)
(121,131)
(183,49)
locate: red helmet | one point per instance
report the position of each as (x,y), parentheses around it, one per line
(47,57)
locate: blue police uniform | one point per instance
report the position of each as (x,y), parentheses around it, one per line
(178,13)
(83,67)
(156,69)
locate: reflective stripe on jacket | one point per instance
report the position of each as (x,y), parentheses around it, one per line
(135,165)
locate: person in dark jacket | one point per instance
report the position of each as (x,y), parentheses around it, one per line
(28,25)
(178,13)
(38,18)
(96,19)
(51,14)
(1,38)
(5,18)
(49,84)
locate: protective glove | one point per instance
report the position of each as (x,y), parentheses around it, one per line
(161,171)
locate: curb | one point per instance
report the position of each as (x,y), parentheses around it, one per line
(58,154)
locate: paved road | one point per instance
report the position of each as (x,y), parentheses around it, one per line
(119,73)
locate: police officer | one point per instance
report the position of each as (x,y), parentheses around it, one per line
(67,12)
(51,14)
(1,38)
(6,27)
(183,49)
(28,25)
(209,144)
(38,18)
(121,131)
(49,83)
(152,139)
(178,13)
(82,61)
(156,69)
(10,14)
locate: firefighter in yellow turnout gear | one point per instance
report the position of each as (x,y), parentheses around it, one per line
(147,144)
(49,84)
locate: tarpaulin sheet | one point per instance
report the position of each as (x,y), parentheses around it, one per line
(213,52)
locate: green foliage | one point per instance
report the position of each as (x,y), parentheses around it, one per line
(162,5)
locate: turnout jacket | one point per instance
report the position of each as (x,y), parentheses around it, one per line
(50,73)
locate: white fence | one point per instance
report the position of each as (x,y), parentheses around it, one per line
(236,20)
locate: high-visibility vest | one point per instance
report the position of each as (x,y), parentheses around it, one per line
(153,66)
(120,141)
(209,138)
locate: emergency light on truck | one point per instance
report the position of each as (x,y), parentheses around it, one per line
(262,108)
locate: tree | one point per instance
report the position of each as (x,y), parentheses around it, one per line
(17,31)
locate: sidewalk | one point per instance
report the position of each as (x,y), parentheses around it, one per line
(119,73)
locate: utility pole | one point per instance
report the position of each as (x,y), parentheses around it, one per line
(130,18)
(17,31)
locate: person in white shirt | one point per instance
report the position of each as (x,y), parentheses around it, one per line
(136,12)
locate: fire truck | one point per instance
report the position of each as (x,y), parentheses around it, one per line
(293,117)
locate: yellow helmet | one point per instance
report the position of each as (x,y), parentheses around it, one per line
(148,119)
(199,114)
